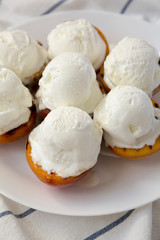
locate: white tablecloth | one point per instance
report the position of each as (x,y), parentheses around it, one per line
(18,222)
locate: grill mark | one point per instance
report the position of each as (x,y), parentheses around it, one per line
(11,132)
(27,143)
(156,105)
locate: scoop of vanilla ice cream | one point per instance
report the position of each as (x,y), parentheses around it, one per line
(15,100)
(67,142)
(69,80)
(128,118)
(133,62)
(21,54)
(77,36)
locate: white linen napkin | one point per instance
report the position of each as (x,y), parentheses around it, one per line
(17,11)
(18,222)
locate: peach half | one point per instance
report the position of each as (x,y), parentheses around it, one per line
(21,131)
(140,153)
(52,178)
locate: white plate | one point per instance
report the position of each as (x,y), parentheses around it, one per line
(115,184)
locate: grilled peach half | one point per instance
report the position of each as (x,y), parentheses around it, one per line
(21,131)
(107,89)
(140,153)
(52,178)
(143,152)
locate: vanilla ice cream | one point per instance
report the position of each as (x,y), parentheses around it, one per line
(21,54)
(69,80)
(15,101)
(128,118)
(77,36)
(67,142)
(133,62)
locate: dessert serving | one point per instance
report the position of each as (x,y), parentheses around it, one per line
(79,36)
(68,80)
(64,147)
(23,55)
(17,114)
(132,62)
(131,122)
(114,183)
